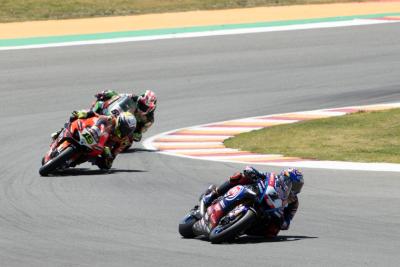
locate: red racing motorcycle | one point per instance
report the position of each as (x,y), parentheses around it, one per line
(75,144)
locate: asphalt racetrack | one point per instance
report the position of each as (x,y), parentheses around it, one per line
(130,216)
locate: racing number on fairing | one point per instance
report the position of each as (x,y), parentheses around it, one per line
(115,112)
(88,137)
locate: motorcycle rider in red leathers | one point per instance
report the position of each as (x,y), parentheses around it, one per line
(111,133)
(143,108)
(287,184)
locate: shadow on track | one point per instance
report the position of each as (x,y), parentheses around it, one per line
(280,238)
(246,239)
(87,171)
(139,150)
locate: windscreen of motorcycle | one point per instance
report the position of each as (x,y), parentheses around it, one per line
(124,103)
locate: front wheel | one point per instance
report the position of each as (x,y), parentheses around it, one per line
(229,231)
(54,163)
(186,226)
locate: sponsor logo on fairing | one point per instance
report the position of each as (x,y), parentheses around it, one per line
(234,192)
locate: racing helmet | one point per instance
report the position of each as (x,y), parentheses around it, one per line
(295,177)
(126,124)
(146,102)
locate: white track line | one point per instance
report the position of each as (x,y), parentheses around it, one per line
(354,22)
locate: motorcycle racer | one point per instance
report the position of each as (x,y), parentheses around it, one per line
(142,107)
(287,185)
(110,132)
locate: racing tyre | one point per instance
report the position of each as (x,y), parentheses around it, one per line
(56,162)
(186,226)
(229,231)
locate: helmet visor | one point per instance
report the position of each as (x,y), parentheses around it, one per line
(297,186)
(142,107)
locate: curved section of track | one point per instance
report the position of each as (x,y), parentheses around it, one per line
(206,142)
(129,217)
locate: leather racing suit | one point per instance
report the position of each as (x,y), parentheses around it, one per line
(268,228)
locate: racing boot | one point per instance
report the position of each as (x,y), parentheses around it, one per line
(136,136)
(105,161)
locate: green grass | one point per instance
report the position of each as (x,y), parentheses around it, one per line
(359,137)
(23,10)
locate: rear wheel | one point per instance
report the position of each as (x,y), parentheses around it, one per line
(230,230)
(56,162)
